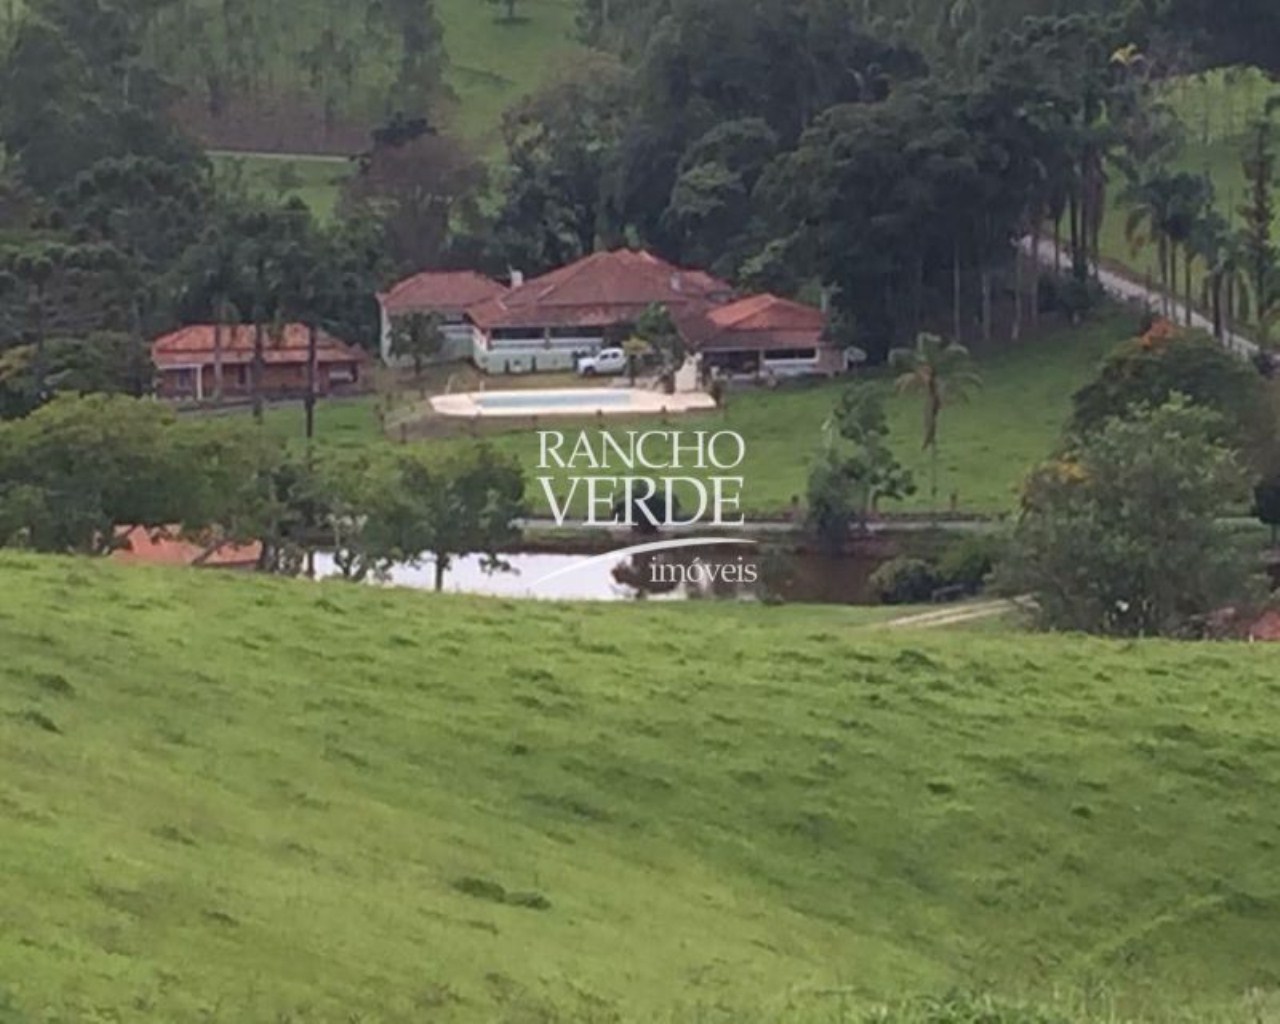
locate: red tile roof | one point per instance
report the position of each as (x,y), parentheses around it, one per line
(195,344)
(449,292)
(1266,628)
(599,290)
(757,322)
(166,547)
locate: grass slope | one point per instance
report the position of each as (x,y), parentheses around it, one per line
(238,799)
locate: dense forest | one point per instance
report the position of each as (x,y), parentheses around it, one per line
(885,150)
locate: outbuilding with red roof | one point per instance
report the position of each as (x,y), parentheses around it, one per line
(199,361)
(763,335)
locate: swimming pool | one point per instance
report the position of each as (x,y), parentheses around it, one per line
(588,399)
(569,402)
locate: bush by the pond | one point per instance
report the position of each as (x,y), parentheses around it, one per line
(968,562)
(904,581)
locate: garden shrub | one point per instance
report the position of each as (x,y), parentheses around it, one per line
(904,581)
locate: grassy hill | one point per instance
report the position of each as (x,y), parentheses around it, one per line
(238,799)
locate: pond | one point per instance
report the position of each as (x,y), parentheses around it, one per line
(725,573)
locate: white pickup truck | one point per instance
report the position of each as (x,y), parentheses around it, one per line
(605,362)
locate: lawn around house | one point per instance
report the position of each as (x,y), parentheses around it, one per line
(247,799)
(988,444)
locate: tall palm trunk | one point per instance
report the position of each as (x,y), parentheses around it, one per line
(1035,270)
(986,303)
(955,293)
(1215,293)
(1015,330)
(1171,286)
(40,370)
(1188,259)
(310,403)
(219,326)
(259,364)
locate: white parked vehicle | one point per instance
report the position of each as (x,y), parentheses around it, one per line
(605,362)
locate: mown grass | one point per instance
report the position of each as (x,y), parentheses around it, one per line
(239,799)
(494,62)
(987,443)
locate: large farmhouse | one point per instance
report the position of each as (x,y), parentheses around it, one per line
(198,361)
(548,322)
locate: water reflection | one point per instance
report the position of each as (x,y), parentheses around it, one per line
(685,574)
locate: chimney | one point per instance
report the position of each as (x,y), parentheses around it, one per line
(517,278)
(675,281)
(824,300)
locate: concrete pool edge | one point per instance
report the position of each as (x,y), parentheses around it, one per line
(641,402)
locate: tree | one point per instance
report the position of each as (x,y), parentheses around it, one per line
(1266,503)
(709,218)
(418,337)
(655,326)
(1151,204)
(1258,214)
(419,187)
(405,507)
(1215,243)
(78,468)
(855,470)
(420,72)
(941,374)
(562,146)
(1150,370)
(74,90)
(1120,534)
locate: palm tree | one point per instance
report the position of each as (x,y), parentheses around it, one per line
(1192,195)
(1153,204)
(940,373)
(1226,261)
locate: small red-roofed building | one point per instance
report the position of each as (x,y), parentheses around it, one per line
(190,361)
(166,546)
(763,335)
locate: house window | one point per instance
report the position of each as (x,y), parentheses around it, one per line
(782,355)
(524,334)
(342,373)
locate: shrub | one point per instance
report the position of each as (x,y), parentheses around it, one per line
(1148,371)
(1122,536)
(968,561)
(904,581)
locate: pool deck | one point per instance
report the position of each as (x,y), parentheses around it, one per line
(585,402)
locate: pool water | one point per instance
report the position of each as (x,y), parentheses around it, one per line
(593,398)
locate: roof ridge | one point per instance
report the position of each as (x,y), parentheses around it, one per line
(752,304)
(570,272)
